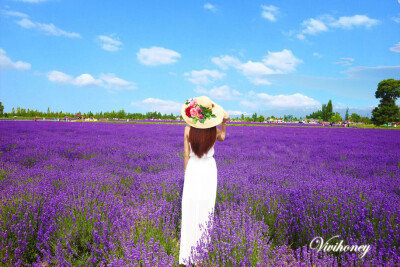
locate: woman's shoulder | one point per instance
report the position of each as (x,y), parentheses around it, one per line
(187,129)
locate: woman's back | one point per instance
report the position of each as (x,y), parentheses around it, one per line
(209,154)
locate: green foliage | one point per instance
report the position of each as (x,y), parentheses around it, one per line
(1,109)
(288,117)
(336,117)
(387,111)
(325,114)
(329,110)
(347,114)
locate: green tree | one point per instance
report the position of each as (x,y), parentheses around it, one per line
(254,117)
(1,109)
(324,112)
(354,117)
(287,117)
(336,117)
(329,110)
(346,117)
(121,114)
(261,118)
(387,110)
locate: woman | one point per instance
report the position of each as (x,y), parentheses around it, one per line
(200,187)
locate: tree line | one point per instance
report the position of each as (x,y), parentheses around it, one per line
(121,114)
(326,114)
(387,111)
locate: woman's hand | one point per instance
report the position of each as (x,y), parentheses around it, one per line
(226,117)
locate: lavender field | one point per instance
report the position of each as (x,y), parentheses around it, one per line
(109,194)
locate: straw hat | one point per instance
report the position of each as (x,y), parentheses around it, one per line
(200,114)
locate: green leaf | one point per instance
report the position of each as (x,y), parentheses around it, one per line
(194,120)
(213,116)
(202,120)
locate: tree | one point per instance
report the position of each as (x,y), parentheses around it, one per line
(354,117)
(121,114)
(1,109)
(336,117)
(324,112)
(287,117)
(387,110)
(261,118)
(254,117)
(329,110)
(346,117)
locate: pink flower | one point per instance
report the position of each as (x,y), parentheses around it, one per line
(193,112)
(200,116)
(199,110)
(192,103)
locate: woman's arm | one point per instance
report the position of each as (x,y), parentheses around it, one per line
(221,133)
(186,146)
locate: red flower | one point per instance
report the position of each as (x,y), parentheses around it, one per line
(187,110)
(213,105)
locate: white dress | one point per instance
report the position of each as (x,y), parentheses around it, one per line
(198,200)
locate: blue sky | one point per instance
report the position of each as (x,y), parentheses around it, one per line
(269,57)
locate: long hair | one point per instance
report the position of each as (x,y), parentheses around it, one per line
(201,140)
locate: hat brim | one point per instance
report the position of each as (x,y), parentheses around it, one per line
(217,110)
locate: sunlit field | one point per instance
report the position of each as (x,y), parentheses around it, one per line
(109,194)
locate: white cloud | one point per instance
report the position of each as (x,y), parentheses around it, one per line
(155,56)
(7,63)
(87,80)
(283,61)
(59,77)
(225,62)
(346,61)
(378,73)
(13,13)
(204,77)
(109,44)
(263,100)
(257,72)
(314,26)
(218,92)
(210,7)
(396,19)
(354,21)
(114,82)
(159,105)
(269,12)
(49,29)
(251,68)
(396,48)
(221,92)
(237,113)
(108,80)
(295,100)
